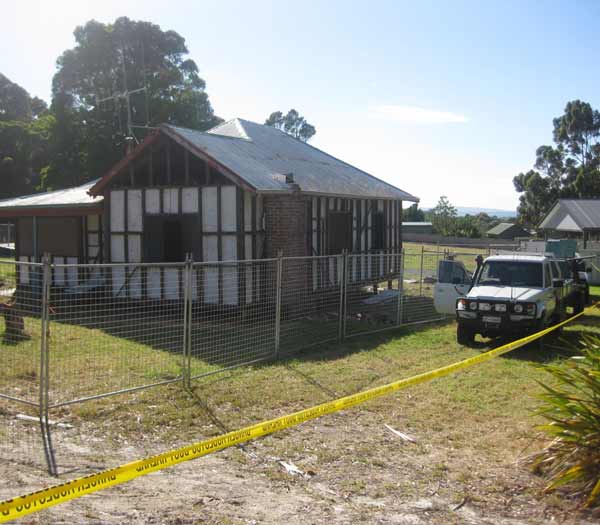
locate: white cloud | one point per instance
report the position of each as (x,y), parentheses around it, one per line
(416,115)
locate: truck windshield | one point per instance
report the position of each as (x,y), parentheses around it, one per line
(511,273)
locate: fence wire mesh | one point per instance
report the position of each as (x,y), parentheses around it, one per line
(20,344)
(232,314)
(114,328)
(420,276)
(373,294)
(311,290)
(77,333)
(21,329)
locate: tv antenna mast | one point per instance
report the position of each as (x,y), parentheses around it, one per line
(126,96)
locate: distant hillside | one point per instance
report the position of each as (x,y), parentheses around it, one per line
(466,210)
(490,211)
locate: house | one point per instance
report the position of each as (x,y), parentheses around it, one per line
(507,230)
(417,227)
(573,219)
(66,223)
(240,191)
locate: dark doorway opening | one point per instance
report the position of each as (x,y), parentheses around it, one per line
(173,241)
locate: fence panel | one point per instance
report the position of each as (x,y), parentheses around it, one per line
(114,328)
(20,347)
(420,276)
(310,301)
(20,329)
(372,296)
(232,314)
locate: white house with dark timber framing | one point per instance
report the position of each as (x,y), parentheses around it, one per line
(240,191)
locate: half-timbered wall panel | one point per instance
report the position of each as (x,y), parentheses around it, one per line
(210,222)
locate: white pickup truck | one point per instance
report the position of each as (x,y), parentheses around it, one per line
(509,294)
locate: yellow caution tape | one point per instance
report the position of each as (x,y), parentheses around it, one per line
(42,499)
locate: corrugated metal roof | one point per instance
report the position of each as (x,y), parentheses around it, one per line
(263,156)
(573,215)
(70,197)
(500,228)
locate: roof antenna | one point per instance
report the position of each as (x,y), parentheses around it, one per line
(125,95)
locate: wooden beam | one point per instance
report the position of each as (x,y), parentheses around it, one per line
(234,177)
(169,178)
(50,211)
(123,163)
(186,162)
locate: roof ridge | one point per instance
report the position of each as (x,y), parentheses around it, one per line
(320,151)
(346,163)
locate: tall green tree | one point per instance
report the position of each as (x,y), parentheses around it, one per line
(569,168)
(443,217)
(107,61)
(24,132)
(293,124)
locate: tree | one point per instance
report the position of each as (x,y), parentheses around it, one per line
(571,168)
(293,124)
(24,131)
(443,217)
(466,226)
(413,214)
(109,59)
(15,103)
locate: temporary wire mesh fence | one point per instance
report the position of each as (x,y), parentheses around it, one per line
(75,333)
(114,328)
(232,314)
(311,299)
(21,329)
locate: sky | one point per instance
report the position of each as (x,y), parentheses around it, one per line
(437,98)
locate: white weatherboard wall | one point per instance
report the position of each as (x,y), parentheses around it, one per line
(362,210)
(217,207)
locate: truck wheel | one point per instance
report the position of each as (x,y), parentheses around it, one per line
(464,335)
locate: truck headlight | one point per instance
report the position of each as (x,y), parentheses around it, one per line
(500,307)
(473,305)
(461,304)
(518,308)
(485,307)
(530,309)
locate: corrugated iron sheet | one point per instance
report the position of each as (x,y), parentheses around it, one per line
(70,197)
(584,212)
(262,156)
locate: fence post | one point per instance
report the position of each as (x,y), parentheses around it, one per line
(279,281)
(400,306)
(421,271)
(187,322)
(45,366)
(343,296)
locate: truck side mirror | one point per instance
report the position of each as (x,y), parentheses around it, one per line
(558,283)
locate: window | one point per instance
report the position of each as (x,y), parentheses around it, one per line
(339,232)
(378,231)
(547,276)
(566,270)
(555,270)
(509,273)
(453,272)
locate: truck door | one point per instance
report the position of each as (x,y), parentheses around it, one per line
(453,282)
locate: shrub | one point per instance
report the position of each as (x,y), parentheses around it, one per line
(572,408)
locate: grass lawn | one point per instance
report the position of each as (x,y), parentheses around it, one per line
(472,429)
